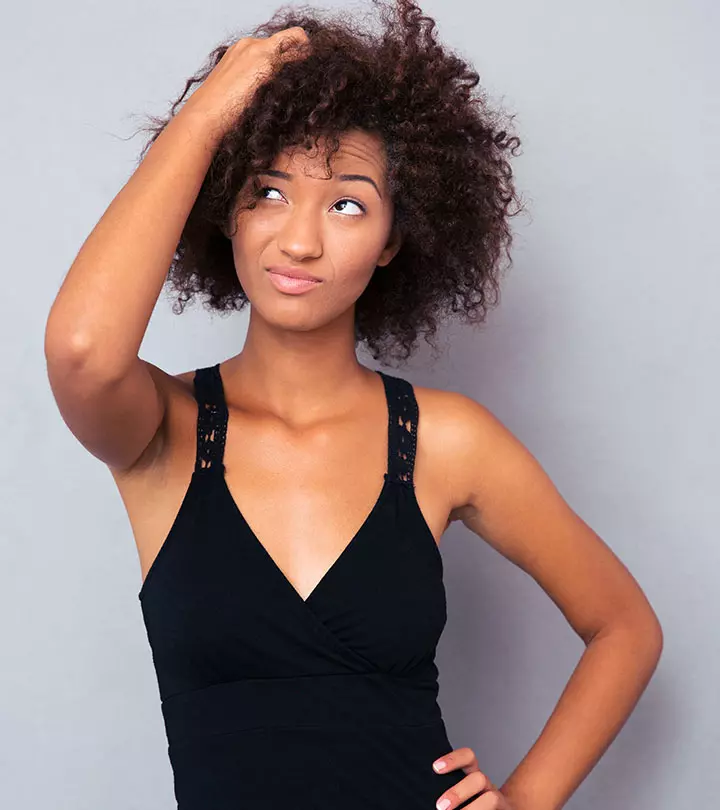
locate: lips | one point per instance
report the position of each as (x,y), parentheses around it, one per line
(293,272)
(290,284)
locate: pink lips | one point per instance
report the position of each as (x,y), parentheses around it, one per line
(290,284)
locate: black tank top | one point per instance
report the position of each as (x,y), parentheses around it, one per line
(272,701)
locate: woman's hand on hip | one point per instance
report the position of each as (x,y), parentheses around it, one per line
(474,783)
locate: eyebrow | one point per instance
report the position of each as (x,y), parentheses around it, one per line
(363,177)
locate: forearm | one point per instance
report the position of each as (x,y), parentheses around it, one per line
(102,310)
(602,692)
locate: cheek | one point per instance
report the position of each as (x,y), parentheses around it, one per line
(248,248)
(355,261)
(350,282)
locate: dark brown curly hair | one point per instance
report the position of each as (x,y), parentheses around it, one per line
(447,168)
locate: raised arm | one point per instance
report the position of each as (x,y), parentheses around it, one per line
(111,400)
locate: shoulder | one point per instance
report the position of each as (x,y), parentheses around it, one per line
(465,439)
(453,415)
(483,461)
(499,489)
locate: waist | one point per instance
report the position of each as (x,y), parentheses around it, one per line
(334,700)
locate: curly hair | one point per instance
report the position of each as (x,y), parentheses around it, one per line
(447,157)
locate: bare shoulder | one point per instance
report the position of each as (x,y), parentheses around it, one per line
(459,432)
(453,413)
(480,451)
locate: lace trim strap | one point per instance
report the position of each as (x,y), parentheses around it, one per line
(402,429)
(212,424)
(212,419)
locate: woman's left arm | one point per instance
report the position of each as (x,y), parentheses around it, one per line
(510,502)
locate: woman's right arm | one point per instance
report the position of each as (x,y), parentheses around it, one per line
(113,401)
(106,394)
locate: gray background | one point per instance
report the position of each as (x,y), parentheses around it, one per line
(602,359)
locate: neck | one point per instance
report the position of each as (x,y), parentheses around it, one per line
(300,376)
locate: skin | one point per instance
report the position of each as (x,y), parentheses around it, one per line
(300,405)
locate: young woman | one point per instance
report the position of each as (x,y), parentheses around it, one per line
(287,503)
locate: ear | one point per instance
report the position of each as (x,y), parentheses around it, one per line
(391,248)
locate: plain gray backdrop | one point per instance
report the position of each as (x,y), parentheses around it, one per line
(602,358)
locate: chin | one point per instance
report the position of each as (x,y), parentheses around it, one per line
(291,318)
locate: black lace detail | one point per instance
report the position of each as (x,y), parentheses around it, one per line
(402,435)
(212,420)
(212,424)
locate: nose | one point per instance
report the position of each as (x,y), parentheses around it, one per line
(300,236)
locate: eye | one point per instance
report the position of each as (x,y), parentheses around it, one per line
(260,192)
(260,189)
(346,200)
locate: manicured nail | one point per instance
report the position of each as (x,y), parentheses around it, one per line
(439,765)
(443,804)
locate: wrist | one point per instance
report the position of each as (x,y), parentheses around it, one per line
(203,120)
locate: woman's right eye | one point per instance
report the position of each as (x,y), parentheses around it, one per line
(259,191)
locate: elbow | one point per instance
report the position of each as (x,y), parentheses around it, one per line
(61,347)
(62,342)
(69,351)
(650,630)
(96,357)
(640,628)
(66,355)
(657,635)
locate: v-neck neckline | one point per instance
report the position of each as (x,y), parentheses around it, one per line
(337,562)
(347,548)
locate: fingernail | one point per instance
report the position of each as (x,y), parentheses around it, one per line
(439,765)
(443,804)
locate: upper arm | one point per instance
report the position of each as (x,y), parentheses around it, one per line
(116,418)
(508,499)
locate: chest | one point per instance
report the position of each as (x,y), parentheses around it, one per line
(302,496)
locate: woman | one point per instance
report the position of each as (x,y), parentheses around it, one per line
(287,503)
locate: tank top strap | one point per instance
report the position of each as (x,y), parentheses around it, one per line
(212,419)
(402,428)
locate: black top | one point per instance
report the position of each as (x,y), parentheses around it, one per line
(272,701)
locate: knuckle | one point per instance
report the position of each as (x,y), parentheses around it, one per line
(479,780)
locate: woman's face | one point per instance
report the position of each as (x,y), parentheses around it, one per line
(338,230)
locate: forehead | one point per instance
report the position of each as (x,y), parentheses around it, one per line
(358,150)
